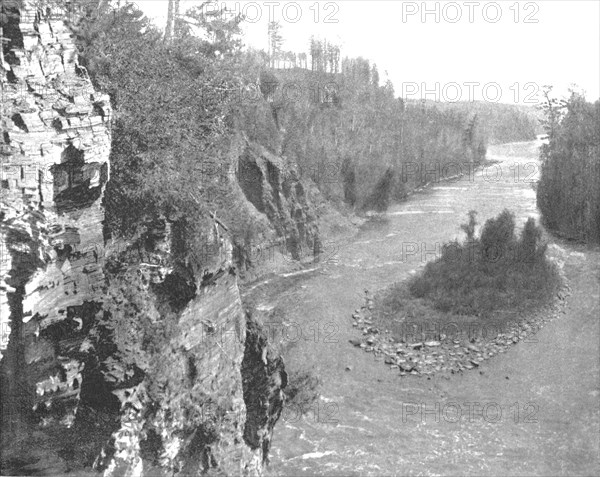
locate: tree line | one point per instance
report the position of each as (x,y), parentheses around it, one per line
(362,146)
(568,192)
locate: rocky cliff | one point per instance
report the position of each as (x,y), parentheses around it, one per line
(199,389)
(127,366)
(55,149)
(274,221)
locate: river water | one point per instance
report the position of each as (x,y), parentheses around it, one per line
(530,411)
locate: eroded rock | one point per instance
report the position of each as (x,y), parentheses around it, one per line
(52,181)
(207,399)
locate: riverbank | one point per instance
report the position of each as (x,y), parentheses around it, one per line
(338,226)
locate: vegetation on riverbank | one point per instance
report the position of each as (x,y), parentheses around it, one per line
(568,193)
(360,144)
(500,123)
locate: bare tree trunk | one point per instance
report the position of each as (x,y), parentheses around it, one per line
(169,28)
(2,50)
(175,17)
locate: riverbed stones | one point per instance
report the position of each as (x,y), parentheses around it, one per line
(432,343)
(447,355)
(407,367)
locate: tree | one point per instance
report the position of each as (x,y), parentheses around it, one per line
(336,59)
(302,60)
(170,106)
(275,42)
(553,109)
(170,21)
(568,193)
(317,55)
(222,30)
(374,76)
(313,53)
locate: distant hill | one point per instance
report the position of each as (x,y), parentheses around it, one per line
(499,122)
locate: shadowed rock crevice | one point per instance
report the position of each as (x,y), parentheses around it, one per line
(283,217)
(251,181)
(264,378)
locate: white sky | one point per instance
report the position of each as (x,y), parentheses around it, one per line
(561,48)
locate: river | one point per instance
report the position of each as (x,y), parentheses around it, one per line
(530,411)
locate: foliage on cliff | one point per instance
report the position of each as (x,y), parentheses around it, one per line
(348,134)
(165,128)
(568,193)
(178,103)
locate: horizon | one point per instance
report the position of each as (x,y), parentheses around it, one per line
(463,66)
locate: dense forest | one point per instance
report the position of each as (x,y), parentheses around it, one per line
(502,123)
(568,193)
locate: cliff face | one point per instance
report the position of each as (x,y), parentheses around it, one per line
(282,222)
(199,388)
(126,366)
(54,163)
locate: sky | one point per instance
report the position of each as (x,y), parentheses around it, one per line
(503,51)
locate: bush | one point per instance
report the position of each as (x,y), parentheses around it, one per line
(493,273)
(302,390)
(469,227)
(529,244)
(497,235)
(380,198)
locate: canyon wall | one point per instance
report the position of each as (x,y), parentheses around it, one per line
(54,165)
(199,388)
(271,206)
(127,367)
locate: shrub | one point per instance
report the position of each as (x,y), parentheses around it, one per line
(493,273)
(497,235)
(380,198)
(302,390)
(529,242)
(469,227)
